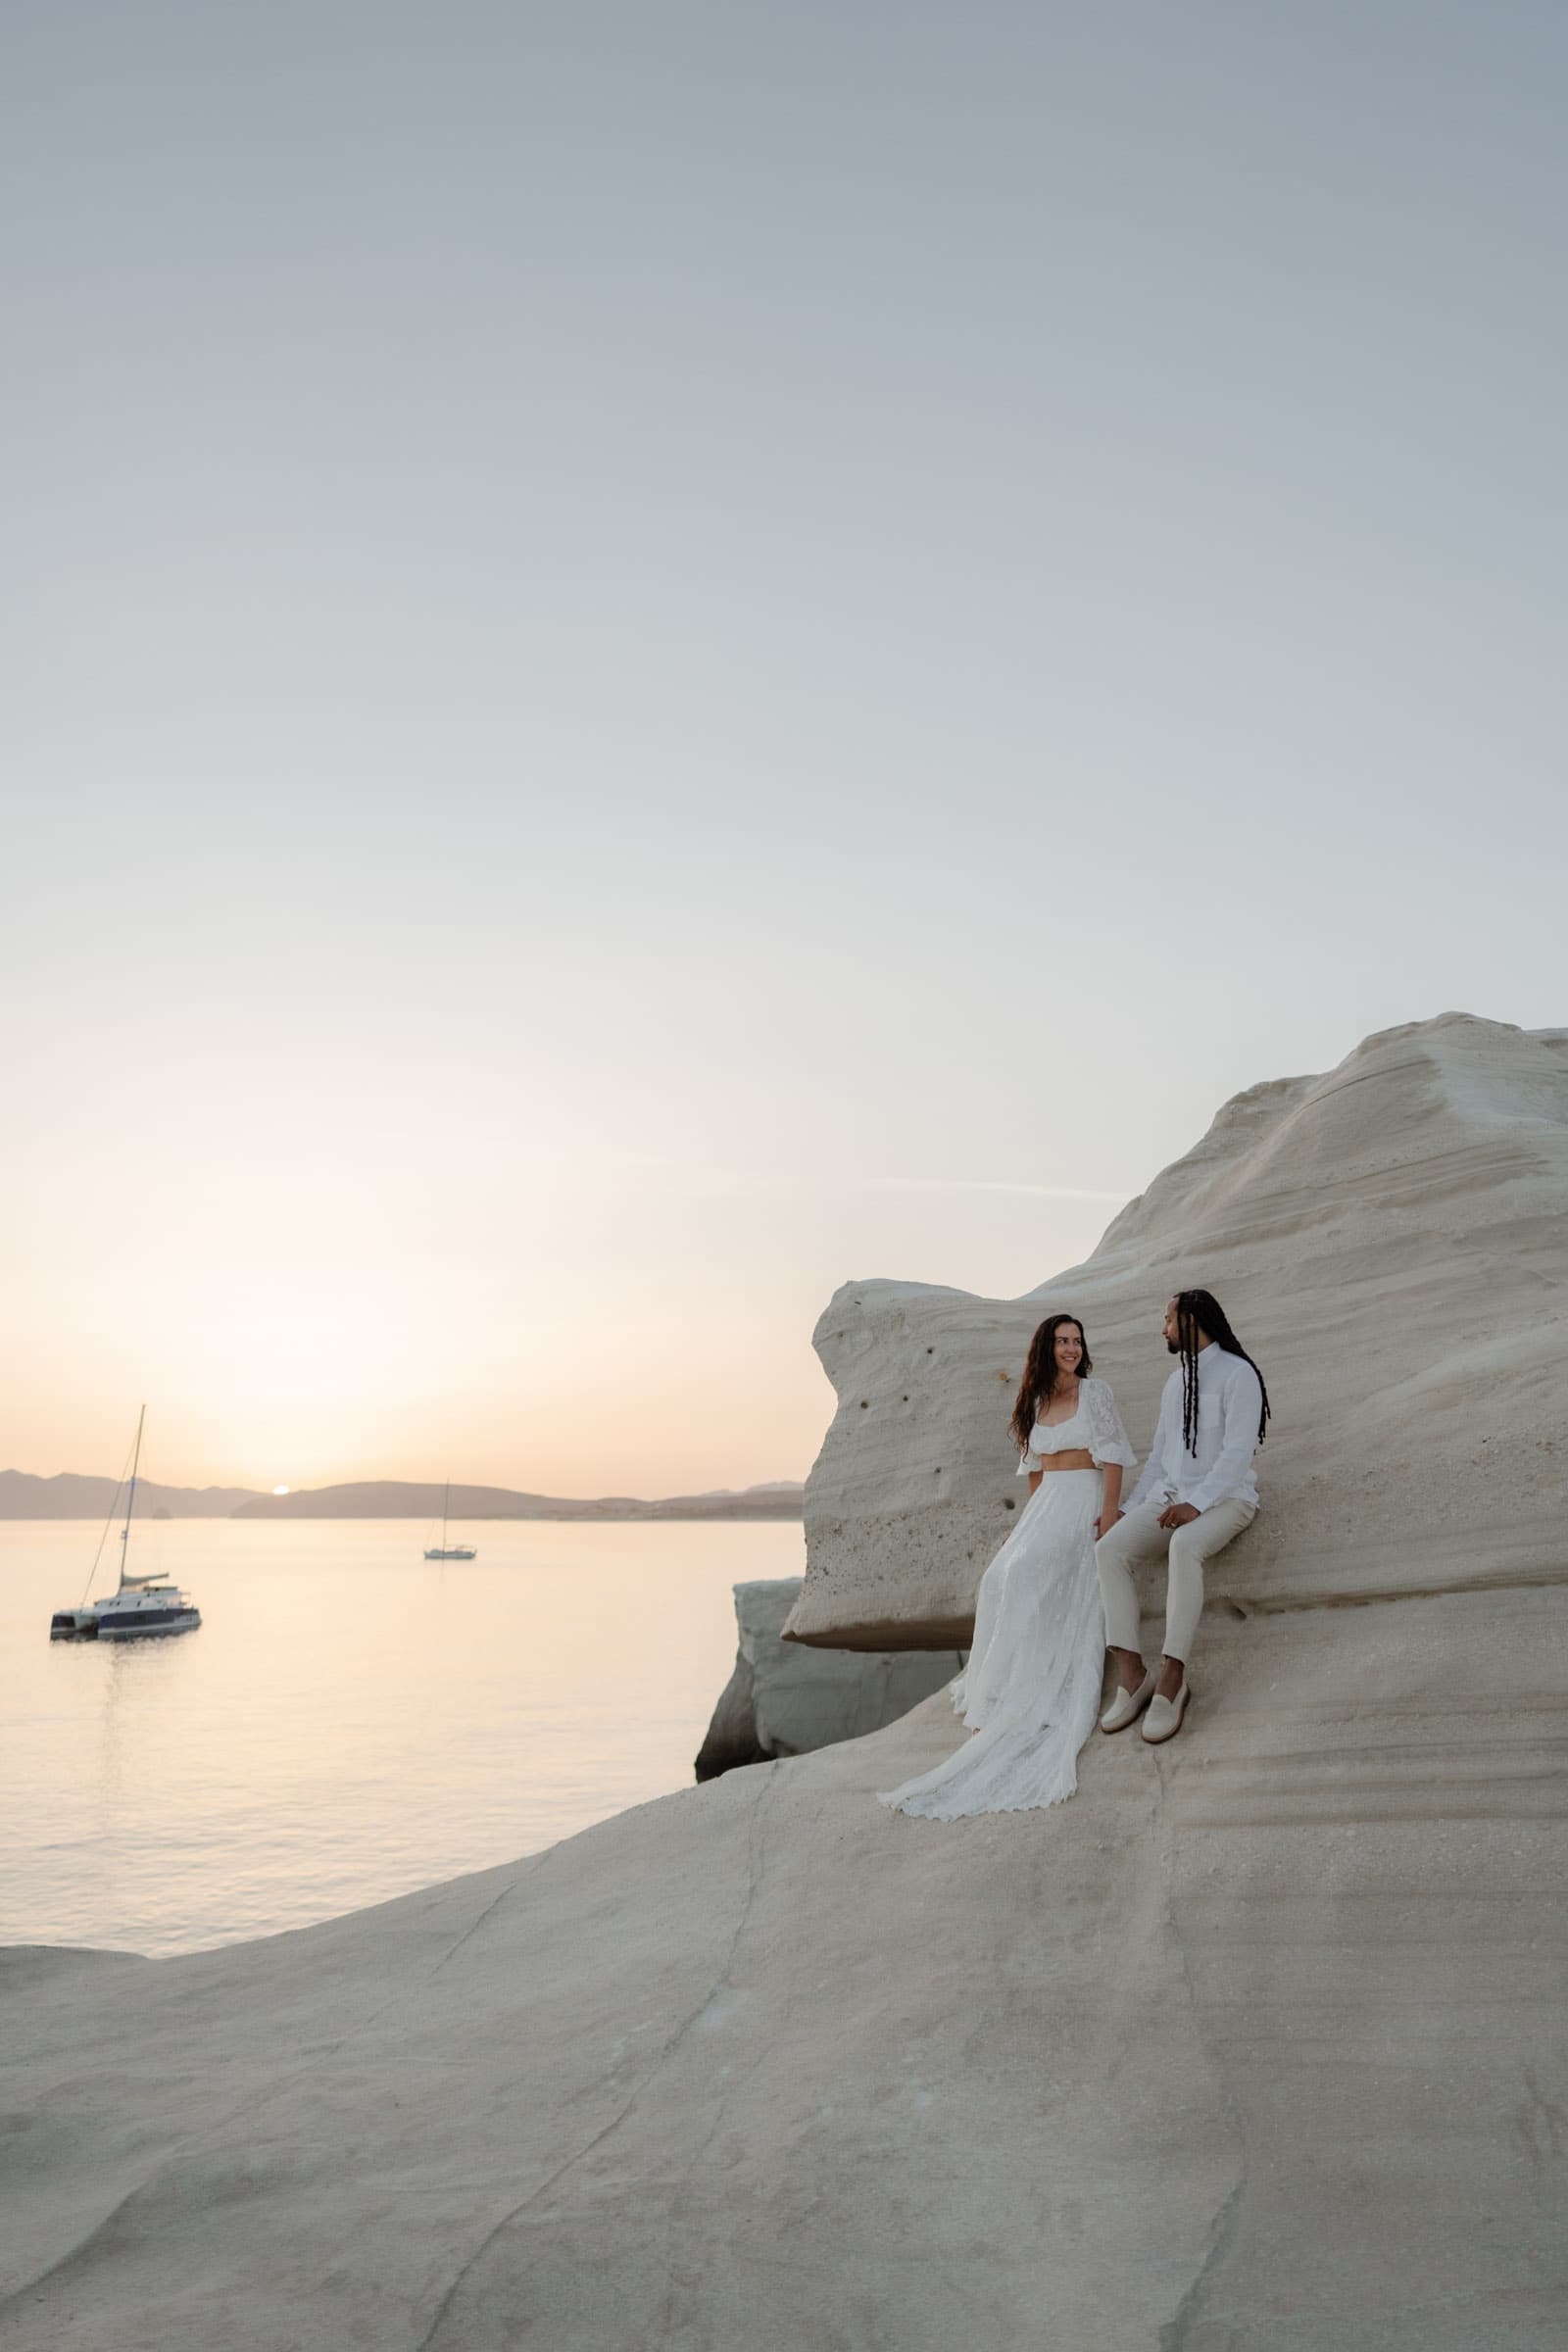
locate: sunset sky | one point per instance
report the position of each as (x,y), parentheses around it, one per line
(655,656)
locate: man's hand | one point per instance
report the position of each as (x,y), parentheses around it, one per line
(1180,1514)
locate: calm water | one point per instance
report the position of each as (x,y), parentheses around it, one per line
(349,1721)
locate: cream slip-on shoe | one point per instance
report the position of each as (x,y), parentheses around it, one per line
(1127,1706)
(1164,1718)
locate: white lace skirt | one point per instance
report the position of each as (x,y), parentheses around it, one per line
(1031,1690)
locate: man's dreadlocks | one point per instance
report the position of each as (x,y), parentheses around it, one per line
(1198,1313)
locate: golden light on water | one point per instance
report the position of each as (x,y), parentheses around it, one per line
(610,1644)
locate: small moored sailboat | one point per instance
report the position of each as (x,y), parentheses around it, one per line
(140,1604)
(445,1551)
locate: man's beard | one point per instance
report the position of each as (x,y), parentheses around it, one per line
(1173,1346)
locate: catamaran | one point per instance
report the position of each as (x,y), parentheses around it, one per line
(445,1551)
(141,1603)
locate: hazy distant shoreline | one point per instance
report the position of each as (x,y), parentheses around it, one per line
(24,1495)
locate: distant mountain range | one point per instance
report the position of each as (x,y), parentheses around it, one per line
(69,1496)
(395,1499)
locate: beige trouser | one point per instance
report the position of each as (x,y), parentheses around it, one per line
(1139,1537)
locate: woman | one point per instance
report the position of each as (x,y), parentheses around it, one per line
(1031,1688)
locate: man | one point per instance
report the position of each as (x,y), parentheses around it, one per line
(1196,1493)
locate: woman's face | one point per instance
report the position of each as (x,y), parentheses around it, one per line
(1069,1348)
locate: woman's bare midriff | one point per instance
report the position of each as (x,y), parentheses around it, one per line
(1078,1457)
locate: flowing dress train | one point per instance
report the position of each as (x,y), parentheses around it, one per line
(1031,1689)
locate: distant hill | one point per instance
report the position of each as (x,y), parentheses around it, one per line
(397,1499)
(69,1497)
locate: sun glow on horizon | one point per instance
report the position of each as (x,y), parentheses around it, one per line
(281,1489)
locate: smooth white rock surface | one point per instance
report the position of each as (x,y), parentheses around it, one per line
(1255,2042)
(1391,1242)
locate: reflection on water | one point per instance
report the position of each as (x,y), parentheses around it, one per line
(349,1721)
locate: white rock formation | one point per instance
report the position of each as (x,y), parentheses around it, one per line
(1255,2043)
(1391,1242)
(784,1699)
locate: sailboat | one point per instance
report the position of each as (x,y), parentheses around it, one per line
(141,1603)
(445,1551)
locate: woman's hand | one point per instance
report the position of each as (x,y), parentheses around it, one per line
(1106,1520)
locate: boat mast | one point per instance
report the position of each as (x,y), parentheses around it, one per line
(445,1499)
(131,1499)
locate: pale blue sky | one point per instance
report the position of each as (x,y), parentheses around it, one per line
(647,648)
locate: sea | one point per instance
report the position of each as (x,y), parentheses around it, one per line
(349,1721)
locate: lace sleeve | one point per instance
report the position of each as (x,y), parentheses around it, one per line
(1109,1440)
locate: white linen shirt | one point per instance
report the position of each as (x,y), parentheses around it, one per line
(1219,1466)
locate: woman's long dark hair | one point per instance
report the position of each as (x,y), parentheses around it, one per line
(1040,1375)
(1197,1312)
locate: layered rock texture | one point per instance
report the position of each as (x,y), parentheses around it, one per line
(784,1699)
(1255,2042)
(1391,1243)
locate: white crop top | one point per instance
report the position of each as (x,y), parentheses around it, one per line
(1095,1428)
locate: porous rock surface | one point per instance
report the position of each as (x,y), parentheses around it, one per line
(1255,2042)
(1390,1241)
(785,1699)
